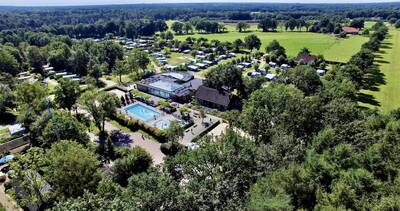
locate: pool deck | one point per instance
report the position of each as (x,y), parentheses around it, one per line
(164,117)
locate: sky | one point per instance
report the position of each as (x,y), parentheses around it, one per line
(105,2)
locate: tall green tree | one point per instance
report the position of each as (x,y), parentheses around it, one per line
(62,126)
(136,161)
(252,42)
(120,69)
(71,169)
(242,26)
(67,93)
(101,105)
(31,100)
(177,27)
(8,63)
(36,58)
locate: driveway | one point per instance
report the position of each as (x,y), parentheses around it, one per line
(151,146)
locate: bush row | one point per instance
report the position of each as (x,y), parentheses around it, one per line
(134,125)
(200,135)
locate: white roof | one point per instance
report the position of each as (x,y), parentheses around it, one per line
(70,76)
(272,63)
(270,76)
(193,67)
(14,129)
(61,73)
(200,65)
(192,146)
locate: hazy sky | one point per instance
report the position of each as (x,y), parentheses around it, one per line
(100,2)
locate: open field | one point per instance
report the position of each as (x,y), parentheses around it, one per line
(178,58)
(386,96)
(333,49)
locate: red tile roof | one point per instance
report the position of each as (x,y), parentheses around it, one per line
(305,57)
(350,30)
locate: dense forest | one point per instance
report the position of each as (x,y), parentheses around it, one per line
(300,142)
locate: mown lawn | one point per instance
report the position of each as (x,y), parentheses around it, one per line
(178,58)
(386,96)
(332,48)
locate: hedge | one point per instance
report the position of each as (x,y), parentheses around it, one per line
(135,125)
(200,135)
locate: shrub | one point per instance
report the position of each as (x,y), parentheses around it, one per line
(135,125)
(171,148)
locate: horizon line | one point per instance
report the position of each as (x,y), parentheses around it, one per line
(211,2)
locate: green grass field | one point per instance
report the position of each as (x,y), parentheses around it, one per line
(333,49)
(386,97)
(178,58)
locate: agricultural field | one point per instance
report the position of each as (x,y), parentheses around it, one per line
(331,47)
(386,96)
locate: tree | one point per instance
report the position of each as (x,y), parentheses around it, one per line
(8,64)
(62,126)
(101,105)
(279,107)
(67,93)
(397,24)
(26,167)
(71,169)
(175,131)
(79,61)
(228,76)
(111,53)
(284,190)
(58,55)
(136,161)
(31,101)
(169,35)
(36,58)
(304,78)
(6,100)
(153,191)
(188,28)
(237,45)
(120,69)
(357,23)
(252,42)
(177,27)
(218,174)
(363,59)
(242,26)
(275,48)
(96,70)
(266,24)
(137,60)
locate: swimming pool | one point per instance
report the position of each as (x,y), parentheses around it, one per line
(162,124)
(141,112)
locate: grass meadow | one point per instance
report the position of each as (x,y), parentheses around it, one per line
(386,95)
(331,47)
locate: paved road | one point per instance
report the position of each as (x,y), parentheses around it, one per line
(139,140)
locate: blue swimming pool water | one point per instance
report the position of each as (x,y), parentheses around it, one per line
(162,124)
(141,112)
